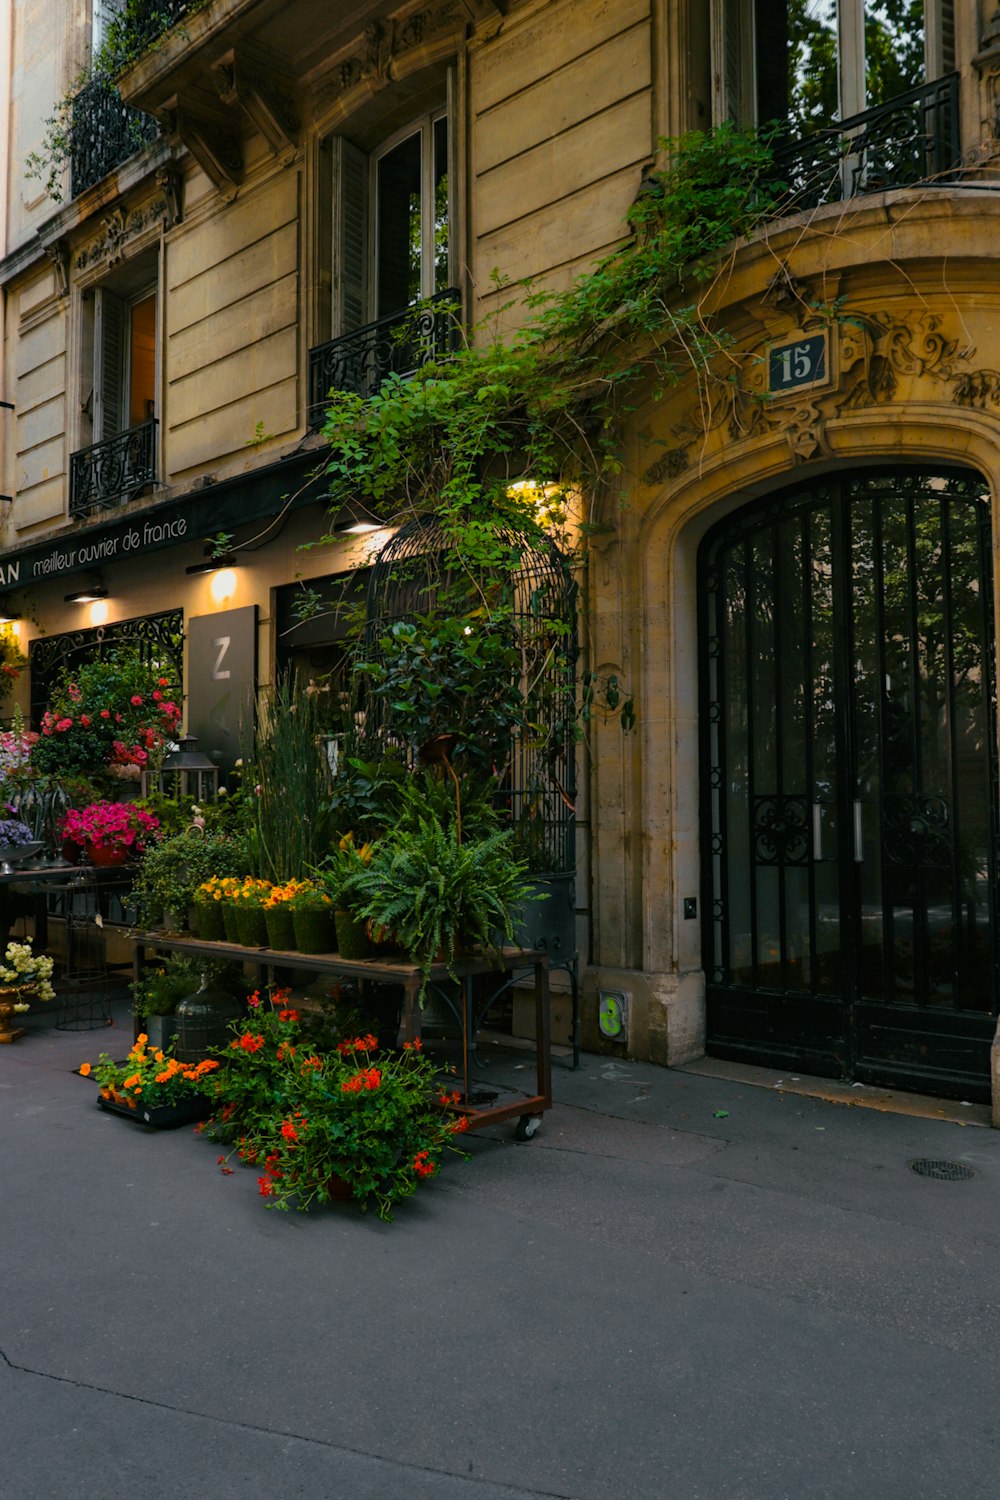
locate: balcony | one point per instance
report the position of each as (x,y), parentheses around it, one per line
(110,473)
(104,132)
(397,345)
(912,139)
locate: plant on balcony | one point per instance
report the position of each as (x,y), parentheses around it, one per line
(137,26)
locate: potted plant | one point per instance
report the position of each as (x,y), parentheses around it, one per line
(152,1086)
(313,919)
(437,894)
(156,993)
(109,833)
(353,940)
(278,919)
(174,867)
(24,976)
(248,900)
(322,1124)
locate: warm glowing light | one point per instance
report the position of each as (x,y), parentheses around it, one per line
(548,501)
(99,611)
(223,585)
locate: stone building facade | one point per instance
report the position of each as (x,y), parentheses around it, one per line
(792,858)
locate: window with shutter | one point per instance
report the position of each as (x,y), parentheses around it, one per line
(391,231)
(109,353)
(810,62)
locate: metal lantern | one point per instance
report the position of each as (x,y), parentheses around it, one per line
(203,1020)
(186,772)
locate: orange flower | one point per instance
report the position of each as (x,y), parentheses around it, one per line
(84,1070)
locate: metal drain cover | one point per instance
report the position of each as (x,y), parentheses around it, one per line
(944,1171)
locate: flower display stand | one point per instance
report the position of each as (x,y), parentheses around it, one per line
(526,1109)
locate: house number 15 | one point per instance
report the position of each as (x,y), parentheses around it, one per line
(794,365)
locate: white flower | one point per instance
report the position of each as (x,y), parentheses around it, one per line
(21,1007)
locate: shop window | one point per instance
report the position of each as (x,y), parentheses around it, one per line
(392,221)
(807,63)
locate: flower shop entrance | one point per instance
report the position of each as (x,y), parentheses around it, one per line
(849,766)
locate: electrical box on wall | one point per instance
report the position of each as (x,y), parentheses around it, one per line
(612,1015)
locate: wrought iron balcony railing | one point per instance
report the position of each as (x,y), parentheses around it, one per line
(911,139)
(151,18)
(110,473)
(104,132)
(397,345)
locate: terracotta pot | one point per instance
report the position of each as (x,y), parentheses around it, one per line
(107,856)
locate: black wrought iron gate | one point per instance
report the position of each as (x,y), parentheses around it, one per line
(849,781)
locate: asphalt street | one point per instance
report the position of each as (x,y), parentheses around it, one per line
(683,1288)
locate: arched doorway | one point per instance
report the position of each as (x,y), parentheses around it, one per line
(849,787)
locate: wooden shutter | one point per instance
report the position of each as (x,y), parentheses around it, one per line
(110,326)
(350,238)
(732,61)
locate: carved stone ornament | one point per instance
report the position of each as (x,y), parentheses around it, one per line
(264,99)
(58,254)
(785,293)
(877,348)
(119,229)
(875,351)
(170,181)
(215,145)
(989,23)
(382,43)
(978,390)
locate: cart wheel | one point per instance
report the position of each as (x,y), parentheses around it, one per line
(526,1127)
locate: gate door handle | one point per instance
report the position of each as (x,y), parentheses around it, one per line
(817,830)
(859,841)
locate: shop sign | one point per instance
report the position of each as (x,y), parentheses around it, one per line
(221,681)
(88,552)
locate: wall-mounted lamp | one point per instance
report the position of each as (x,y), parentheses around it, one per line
(357,523)
(6,619)
(87,595)
(7,405)
(212,564)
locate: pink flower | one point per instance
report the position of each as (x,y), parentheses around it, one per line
(74,692)
(105,713)
(136,700)
(157,696)
(63,724)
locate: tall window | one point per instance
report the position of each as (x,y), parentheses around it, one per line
(392,217)
(124,361)
(809,62)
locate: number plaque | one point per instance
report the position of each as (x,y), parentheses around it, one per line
(799,365)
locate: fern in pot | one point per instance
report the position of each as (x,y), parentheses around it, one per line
(437,895)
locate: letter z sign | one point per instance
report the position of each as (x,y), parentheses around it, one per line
(800,365)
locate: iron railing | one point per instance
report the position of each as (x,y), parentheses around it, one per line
(104,132)
(110,473)
(911,139)
(396,345)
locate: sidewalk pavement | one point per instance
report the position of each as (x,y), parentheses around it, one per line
(684,1286)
